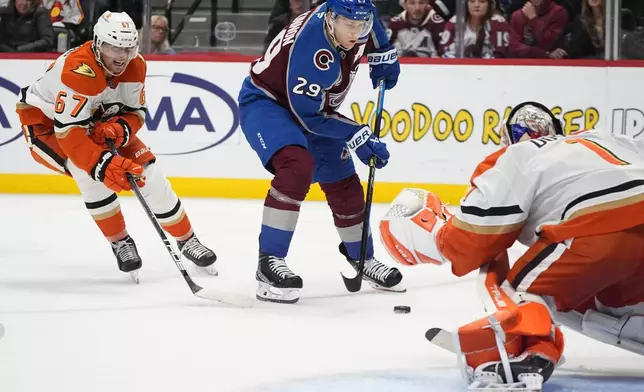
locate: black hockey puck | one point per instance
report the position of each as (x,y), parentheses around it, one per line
(402,309)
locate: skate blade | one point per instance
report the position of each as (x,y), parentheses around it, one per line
(268,293)
(209,270)
(134,276)
(235,299)
(395,289)
(528,384)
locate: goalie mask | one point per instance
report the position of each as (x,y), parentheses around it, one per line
(529,120)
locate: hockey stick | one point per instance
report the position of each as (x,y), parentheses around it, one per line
(354,284)
(212,294)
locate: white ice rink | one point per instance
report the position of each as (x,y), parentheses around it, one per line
(74,323)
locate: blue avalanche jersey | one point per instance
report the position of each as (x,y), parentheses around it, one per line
(305,73)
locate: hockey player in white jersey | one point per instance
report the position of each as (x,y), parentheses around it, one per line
(90,94)
(576,201)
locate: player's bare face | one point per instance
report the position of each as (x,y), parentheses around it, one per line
(115,59)
(477,8)
(347,31)
(416,10)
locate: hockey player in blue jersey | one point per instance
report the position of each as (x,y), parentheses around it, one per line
(289,116)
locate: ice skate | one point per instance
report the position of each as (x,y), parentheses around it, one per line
(380,276)
(277,283)
(199,254)
(529,372)
(127,257)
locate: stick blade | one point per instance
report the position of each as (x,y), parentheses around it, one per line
(235,299)
(353,285)
(441,338)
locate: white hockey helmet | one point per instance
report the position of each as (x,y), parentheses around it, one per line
(118,31)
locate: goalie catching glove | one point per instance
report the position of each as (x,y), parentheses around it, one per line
(410,231)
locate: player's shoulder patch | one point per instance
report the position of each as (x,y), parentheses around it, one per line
(82,73)
(435,17)
(323,59)
(84,69)
(135,71)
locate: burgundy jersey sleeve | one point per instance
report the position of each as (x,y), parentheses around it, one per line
(436,24)
(549,28)
(499,36)
(447,43)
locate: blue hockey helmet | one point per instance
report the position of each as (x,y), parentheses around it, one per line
(354,10)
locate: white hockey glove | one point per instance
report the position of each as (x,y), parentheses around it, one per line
(410,229)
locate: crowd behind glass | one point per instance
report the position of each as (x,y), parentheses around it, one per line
(537,29)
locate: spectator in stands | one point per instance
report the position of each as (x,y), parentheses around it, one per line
(387,9)
(586,33)
(278,22)
(444,8)
(414,32)
(67,16)
(159,35)
(537,30)
(25,27)
(486,33)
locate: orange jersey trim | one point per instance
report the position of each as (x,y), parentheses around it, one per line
(468,250)
(79,148)
(82,73)
(602,218)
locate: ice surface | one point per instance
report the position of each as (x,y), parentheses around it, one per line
(75,323)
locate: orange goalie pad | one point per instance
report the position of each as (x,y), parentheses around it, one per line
(528,328)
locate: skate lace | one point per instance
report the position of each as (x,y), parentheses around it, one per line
(279,267)
(376,270)
(125,251)
(195,248)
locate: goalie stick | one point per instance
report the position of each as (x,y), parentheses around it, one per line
(206,293)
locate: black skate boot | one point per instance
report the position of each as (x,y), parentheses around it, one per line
(529,372)
(196,252)
(377,274)
(277,283)
(127,257)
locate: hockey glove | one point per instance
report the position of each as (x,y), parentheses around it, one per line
(410,229)
(384,64)
(115,128)
(366,145)
(112,171)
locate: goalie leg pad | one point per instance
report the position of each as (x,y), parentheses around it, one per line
(613,330)
(501,348)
